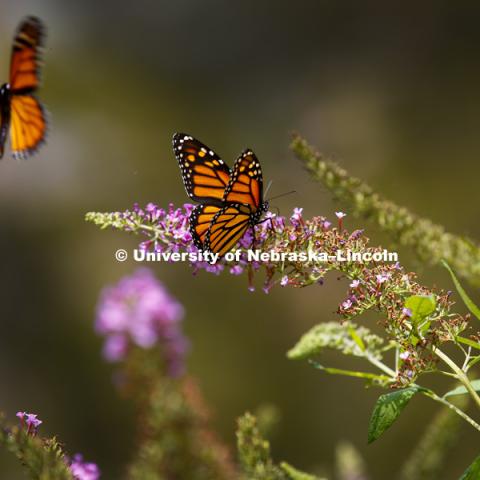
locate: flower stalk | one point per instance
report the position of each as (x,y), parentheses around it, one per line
(430,242)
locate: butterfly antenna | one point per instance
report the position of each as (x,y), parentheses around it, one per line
(268,187)
(282,195)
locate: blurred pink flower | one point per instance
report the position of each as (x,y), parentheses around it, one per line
(139,310)
(83,470)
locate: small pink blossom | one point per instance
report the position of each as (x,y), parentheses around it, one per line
(382,277)
(236,270)
(30,420)
(404,355)
(347,304)
(296,216)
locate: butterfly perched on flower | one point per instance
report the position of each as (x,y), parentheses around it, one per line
(22,115)
(230,200)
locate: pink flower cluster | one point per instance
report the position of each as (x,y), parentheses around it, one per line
(29,420)
(83,470)
(167,230)
(139,310)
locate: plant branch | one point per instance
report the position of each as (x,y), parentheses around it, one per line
(451,406)
(460,374)
(430,242)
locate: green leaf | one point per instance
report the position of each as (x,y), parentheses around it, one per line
(387,409)
(345,337)
(463,390)
(356,338)
(352,373)
(468,341)
(424,328)
(473,471)
(466,299)
(421,306)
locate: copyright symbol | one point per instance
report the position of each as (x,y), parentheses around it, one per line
(121,255)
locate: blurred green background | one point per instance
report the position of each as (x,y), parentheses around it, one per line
(389,90)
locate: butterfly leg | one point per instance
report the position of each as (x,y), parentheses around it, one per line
(270,225)
(254,238)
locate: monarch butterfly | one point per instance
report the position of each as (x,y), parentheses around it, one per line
(21,113)
(231,201)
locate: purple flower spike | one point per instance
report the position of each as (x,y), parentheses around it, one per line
(355,283)
(167,231)
(407,312)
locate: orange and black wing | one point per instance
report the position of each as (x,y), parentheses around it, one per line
(227,228)
(246,182)
(205,175)
(28,123)
(200,220)
(25,62)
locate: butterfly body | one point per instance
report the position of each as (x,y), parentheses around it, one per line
(231,200)
(5,114)
(22,115)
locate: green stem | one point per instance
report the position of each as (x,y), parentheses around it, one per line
(451,406)
(381,366)
(353,373)
(148,228)
(349,373)
(460,374)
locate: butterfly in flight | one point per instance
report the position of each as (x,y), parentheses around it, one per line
(22,115)
(230,201)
